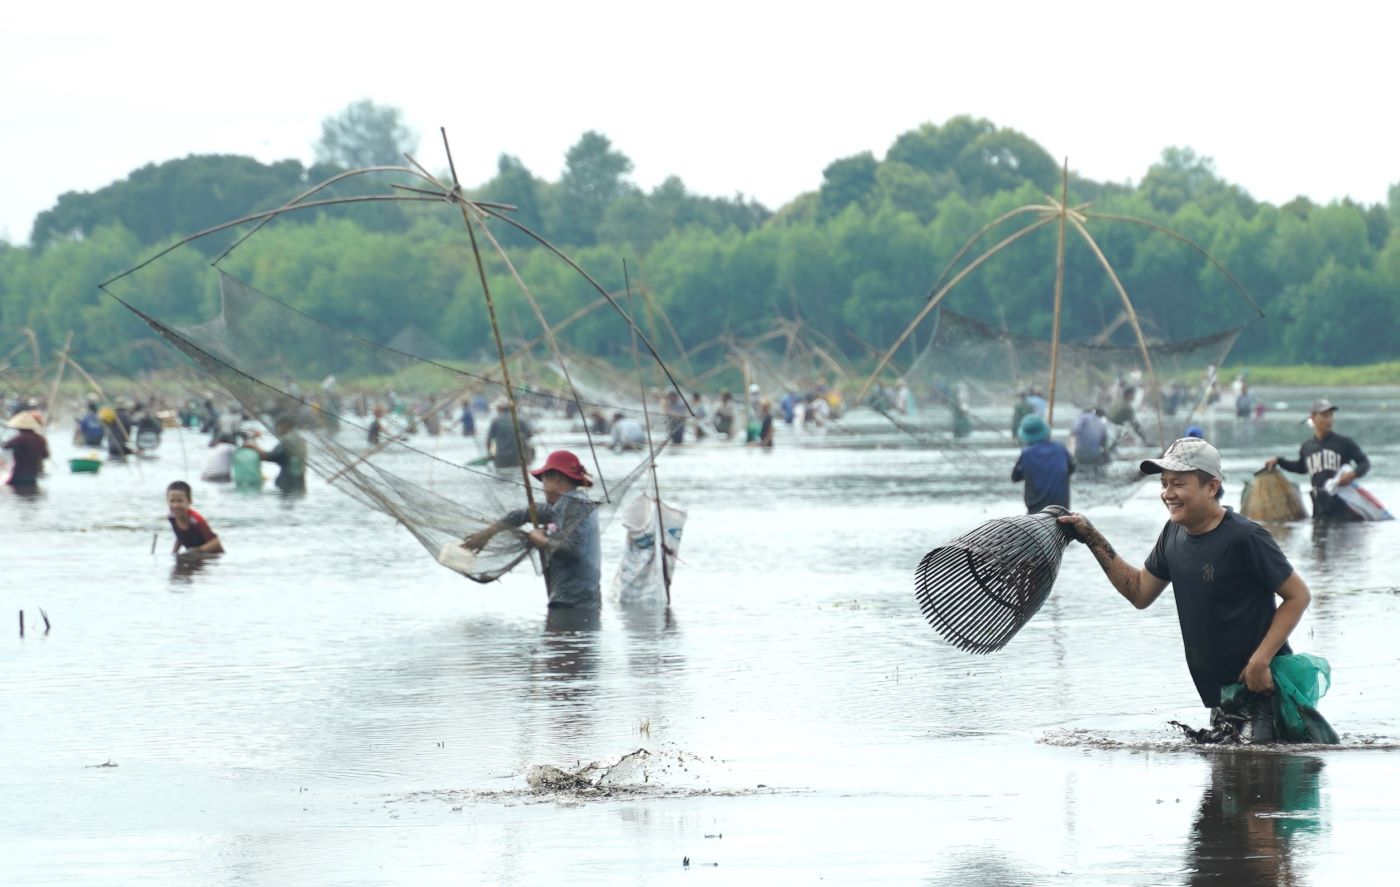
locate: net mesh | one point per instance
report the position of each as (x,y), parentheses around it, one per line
(972,382)
(990,367)
(256,338)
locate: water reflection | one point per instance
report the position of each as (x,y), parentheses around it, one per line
(1256,812)
(564,672)
(984,867)
(1337,545)
(29,494)
(647,622)
(186,568)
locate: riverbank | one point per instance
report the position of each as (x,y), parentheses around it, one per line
(1312,375)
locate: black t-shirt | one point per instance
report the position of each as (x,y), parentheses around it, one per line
(1224,582)
(1323,459)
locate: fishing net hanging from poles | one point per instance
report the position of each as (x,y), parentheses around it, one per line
(986,369)
(256,338)
(996,365)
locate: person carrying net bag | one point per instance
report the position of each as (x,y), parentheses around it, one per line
(1226,571)
(983,587)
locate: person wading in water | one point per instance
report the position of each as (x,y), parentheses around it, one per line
(1324,456)
(1226,571)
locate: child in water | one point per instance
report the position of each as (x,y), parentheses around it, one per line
(192,531)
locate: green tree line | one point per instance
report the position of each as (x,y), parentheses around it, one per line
(854,260)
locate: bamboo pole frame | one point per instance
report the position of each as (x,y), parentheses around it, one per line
(1055,210)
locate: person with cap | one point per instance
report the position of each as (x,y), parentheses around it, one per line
(501,443)
(28,448)
(1044,464)
(1324,456)
(566,533)
(1226,571)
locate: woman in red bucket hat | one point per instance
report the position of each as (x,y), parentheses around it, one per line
(567,464)
(567,536)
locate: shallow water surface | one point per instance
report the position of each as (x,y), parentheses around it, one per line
(324,704)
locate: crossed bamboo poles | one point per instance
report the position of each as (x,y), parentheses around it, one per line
(428,188)
(1055,211)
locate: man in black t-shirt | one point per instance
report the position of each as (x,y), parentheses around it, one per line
(1225,570)
(1324,456)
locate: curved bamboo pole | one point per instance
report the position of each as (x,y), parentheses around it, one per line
(1059,293)
(651,449)
(1132,319)
(271,213)
(542,241)
(981,232)
(938,297)
(554,346)
(500,353)
(1234,281)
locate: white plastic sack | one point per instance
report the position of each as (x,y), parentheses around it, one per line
(639,579)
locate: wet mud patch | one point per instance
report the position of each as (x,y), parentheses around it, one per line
(1170,739)
(637,775)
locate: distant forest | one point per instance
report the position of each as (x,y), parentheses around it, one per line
(854,260)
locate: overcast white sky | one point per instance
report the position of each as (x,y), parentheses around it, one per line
(732,96)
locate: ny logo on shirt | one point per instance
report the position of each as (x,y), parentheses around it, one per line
(1208,573)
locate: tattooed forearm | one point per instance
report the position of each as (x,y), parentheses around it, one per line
(1103,552)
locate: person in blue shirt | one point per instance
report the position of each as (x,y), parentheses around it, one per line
(90,428)
(1045,466)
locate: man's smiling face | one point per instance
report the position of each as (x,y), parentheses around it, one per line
(1187,497)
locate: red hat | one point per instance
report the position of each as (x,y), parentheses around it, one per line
(567,464)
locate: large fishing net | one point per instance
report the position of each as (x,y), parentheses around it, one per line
(972,382)
(990,368)
(281,364)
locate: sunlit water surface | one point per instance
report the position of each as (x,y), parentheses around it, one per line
(325,705)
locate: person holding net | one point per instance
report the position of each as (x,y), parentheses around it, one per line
(566,533)
(1330,459)
(1226,571)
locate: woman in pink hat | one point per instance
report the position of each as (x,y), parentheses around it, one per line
(567,533)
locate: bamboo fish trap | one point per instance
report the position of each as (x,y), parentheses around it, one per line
(1270,496)
(979,589)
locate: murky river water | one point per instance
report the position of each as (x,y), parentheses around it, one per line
(326,705)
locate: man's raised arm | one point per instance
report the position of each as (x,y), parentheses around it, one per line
(1138,585)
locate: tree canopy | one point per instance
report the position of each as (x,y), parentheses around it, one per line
(854,259)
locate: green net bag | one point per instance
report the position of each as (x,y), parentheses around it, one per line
(1300,680)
